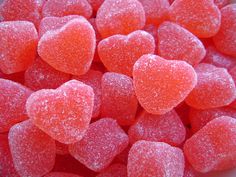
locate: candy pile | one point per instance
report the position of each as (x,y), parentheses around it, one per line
(117,88)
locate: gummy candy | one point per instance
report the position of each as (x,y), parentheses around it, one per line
(69,49)
(166,128)
(18,42)
(95,4)
(67,7)
(213,147)
(63,113)
(33,152)
(120,17)
(160,85)
(13,97)
(176,43)
(118,98)
(115,170)
(201,17)
(101,143)
(61,148)
(148,158)
(215,88)
(119,52)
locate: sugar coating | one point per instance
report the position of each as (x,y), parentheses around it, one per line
(28,10)
(119,52)
(93,78)
(18,42)
(40,75)
(156,11)
(69,49)
(225,39)
(118,98)
(177,43)
(214,57)
(6,163)
(199,118)
(150,159)
(13,98)
(67,7)
(201,17)
(101,143)
(95,4)
(232,72)
(61,149)
(33,152)
(63,113)
(53,23)
(115,170)
(213,147)
(166,128)
(160,85)
(215,88)
(61,174)
(120,17)
(221,3)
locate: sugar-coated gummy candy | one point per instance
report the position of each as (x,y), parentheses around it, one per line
(114,170)
(66,7)
(160,85)
(53,23)
(120,17)
(225,39)
(156,11)
(13,98)
(166,128)
(213,148)
(215,88)
(6,163)
(93,78)
(18,43)
(95,4)
(214,57)
(232,72)
(150,159)
(118,98)
(33,151)
(61,174)
(177,43)
(201,17)
(63,113)
(102,142)
(119,52)
(28,10)
(69,49)
(40,75)
(199,118)
(61,148)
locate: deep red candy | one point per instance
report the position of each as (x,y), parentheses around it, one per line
(33,152)
(118,98)
(160,85)
(201,17)
(67,7)
(69,49)
(6,163)
(18,42)
(155,159)
(93,78)
(61,174)
(213,148)
(199,118)
(225,39)
(101,143)
(156,11)
(29,10)
(119,52)
(176,43)
(115,170)
(152,29)
(16,77)
(13,98)
(215,88)
(64,113)
(95,4)
(221,3)
(61,149)
(40,75)
(166,128)
(120,17)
